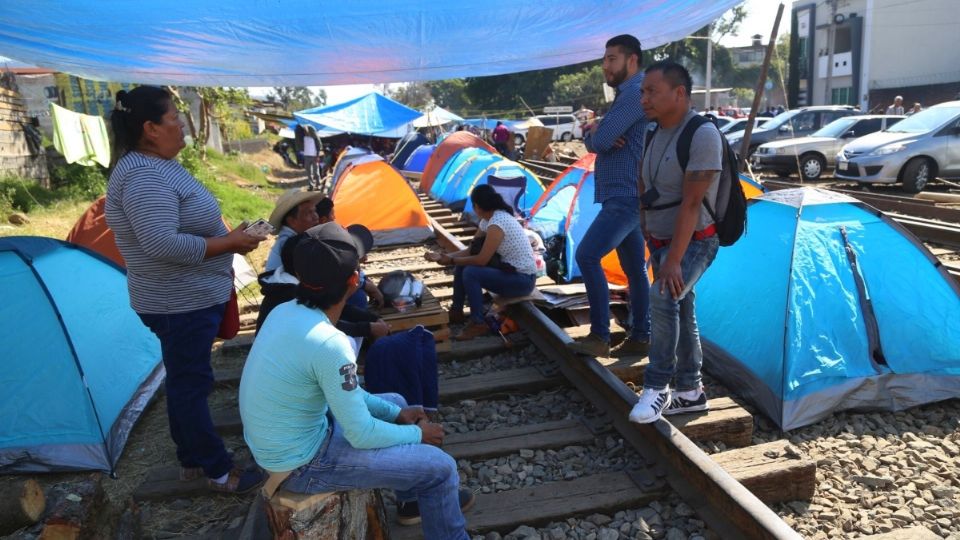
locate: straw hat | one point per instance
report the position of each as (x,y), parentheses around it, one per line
(288,201)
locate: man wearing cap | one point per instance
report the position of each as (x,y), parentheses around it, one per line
(307,421)
(294,213)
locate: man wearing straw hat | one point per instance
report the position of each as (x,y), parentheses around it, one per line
(295,212)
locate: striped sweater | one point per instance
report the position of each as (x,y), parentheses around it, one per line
(160,215)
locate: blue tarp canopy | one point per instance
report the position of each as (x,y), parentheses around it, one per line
(306,42)
(372,114)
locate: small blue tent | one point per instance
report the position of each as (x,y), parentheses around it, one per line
(531,193)
(78,365)
(418,158)
(463,167)
(826,304)
(406,146)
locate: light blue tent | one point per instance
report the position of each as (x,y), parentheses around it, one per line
(531,193)
(418,158)
(463,168)
(826,304)
(78,365)
(370,114)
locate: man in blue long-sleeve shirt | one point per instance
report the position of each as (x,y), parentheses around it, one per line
(618,142)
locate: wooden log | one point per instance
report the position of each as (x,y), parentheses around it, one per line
(328,516)
(21,504)
(75,510)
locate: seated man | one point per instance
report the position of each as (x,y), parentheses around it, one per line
(325,210)
(294,213)
(308,422)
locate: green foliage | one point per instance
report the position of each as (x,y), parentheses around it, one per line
(237,203)
(297,98)
(415,95)
(500,95)
(583,87)
(450,94)
(744,96)
(80,182)
(70,183)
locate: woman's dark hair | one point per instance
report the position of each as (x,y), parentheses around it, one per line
(132,109)
(486,198)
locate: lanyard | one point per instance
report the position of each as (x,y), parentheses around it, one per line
(662,155)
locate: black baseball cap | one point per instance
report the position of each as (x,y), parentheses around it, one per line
(363,236)
(326,257)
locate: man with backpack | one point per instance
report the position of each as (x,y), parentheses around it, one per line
(680,174)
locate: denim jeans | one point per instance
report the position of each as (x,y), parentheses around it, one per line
(617,225)
(312,166)
(675,342)
(418,472)
(470,281)
(185,342)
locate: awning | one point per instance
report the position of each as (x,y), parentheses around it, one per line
(310,42)
(372,114)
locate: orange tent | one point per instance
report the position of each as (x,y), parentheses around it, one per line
(91,231)
(445,150)
(374,194)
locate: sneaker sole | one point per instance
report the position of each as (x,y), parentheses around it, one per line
(681,410)
(650,421)
(408,521)
(575,347)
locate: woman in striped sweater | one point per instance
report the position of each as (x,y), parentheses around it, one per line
(178,253)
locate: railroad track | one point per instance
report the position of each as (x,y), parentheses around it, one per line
(667,459)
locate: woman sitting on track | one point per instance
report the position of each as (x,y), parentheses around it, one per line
(500,260)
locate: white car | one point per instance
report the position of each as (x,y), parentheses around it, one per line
(565,127)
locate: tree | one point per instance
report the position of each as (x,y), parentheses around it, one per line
(415,95)
(297,98)
(218,103)
(584,87)
(451,94)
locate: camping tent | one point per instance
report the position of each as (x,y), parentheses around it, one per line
(370,114)
(450,146)
(349,156)
(436,116)
(418,158)
(405,147)
(505,168)
(78,365)
(91,231)
(827,304)
(375,195)
(466,162)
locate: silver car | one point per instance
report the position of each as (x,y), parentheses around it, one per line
(813,155)
(915,151)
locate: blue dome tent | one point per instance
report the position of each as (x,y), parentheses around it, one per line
(406,146)
(418,158)
(825,305)
(78,366)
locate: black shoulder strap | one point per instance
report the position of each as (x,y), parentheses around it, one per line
(686,139)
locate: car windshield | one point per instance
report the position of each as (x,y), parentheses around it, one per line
(736,125)
(779,120)
(925,121)
(836,128)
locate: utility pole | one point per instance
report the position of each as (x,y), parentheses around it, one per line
(706,99)
(831,37)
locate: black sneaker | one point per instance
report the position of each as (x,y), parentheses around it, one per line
(687,402)
(408,513)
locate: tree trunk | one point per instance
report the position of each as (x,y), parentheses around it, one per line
(75,510)
(344,515)
(21,504)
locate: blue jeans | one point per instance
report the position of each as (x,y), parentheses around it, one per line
(418,472)
(617,225)
(185,342)
(470,281)
(675,342)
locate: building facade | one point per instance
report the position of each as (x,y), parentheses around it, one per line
(881,49)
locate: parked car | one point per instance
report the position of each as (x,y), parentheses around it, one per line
(565,127)
(812,156)
(913,152)
(794,123)
(740,124)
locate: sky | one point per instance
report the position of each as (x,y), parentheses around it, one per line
(759,20)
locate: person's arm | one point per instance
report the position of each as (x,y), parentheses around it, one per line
(490,245)
(706,154)
(366,420)
(624,113)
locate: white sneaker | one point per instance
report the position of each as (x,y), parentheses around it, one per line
(687,402)
(650,405)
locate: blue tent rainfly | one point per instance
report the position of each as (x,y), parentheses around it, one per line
(305,42)
(371,114)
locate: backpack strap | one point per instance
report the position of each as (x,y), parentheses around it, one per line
(686,139)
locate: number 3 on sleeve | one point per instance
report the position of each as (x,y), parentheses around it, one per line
(349,372)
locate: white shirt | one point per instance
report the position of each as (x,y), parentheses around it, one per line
(309,146)
(515,248)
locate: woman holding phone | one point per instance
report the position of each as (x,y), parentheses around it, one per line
(179,255)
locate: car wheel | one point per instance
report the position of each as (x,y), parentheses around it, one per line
(812,166)
(518,140)
(916,174)
(566,137)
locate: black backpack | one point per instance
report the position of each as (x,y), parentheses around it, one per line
(731,217)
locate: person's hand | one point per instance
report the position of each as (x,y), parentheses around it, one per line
(411,415)
(590,128)
(431,433)
(671,277)
(620,142)
(241,242)
(432,256)
(379,329)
